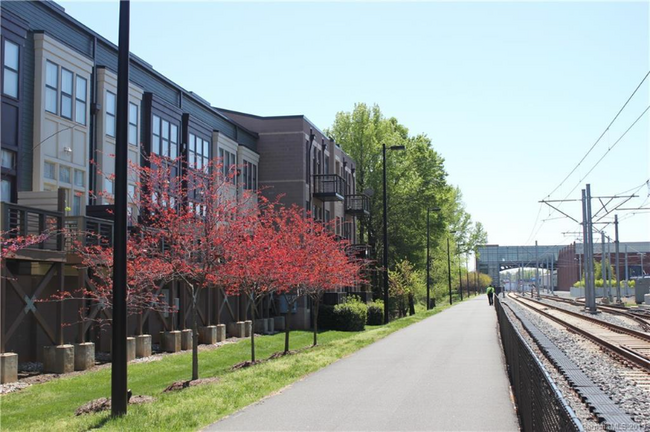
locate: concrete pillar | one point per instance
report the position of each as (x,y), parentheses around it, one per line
(278,323)
(172,340)
(270,325)
(84,356)
(58,359)
(130,349)
(237,329)
(208,335)
(143,346)
(261,326)
(8,368)
(221,332)
(186,339)
(248,328)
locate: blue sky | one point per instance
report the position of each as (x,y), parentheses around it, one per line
(512,94)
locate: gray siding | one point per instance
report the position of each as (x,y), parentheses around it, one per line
(42,17)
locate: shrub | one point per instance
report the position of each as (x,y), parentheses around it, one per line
(376,313)
(351,315)
(326,318)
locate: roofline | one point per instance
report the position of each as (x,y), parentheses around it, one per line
(304,117)
(60,10)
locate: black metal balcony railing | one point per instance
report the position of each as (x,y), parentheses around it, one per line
(23,221)
(359,251)
(357,204)
(88,231)
(329,187)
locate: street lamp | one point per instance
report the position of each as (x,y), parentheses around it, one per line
(398,147)
(460,276)
(436,209)
(449,267)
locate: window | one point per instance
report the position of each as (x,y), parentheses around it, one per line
(64,174)
(76,203)
(8,159)
(6,190)
(327,164)
(133,124)
(80,100)
(51,87)
(131,193)
(199,152)
(49,171)
(164,139)
(11,62)
(78,178)
(66,93)
(108,186)
(250,176)
(110,114)
(228,160)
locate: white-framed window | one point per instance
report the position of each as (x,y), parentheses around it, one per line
(67,79)
(81,91)
(64,174)
(51,87)
(11,67)
(49,171)
(228,162)
(198,152)
(76,203)
(250,175)
(111,106)
(79,178)
(133,124)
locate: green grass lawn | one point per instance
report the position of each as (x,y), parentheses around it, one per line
(51,406)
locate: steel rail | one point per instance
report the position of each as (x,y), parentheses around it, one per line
(621,351)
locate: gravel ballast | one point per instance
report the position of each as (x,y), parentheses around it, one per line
(613,378)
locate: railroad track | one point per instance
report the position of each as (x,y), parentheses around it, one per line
(626,345)
(639,317)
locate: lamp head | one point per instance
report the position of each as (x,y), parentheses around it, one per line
(397,147)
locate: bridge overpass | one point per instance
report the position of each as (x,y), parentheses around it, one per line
(492,258)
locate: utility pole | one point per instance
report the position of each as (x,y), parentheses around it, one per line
(537,269)
(552,265)
(585,248)
(626,271)
(609,269)
(119,363)
(603,263)
(460,279)
(618,261)
(467,272)
(590,250)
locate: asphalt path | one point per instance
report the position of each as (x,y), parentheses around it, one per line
(444,373)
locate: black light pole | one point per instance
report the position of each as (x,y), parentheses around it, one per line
(386,231)
(467,272)
(429,259)
(449,267)
(460,277)
(118,368)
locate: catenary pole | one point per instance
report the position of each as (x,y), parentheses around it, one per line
(119,356)
(449,270)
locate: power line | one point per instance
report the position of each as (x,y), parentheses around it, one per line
(601,135)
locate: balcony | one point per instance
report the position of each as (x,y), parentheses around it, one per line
(360,251)
(89,231)
(22,221)
(357,205)
(329,187)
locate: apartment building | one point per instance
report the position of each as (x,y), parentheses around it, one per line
(59,88)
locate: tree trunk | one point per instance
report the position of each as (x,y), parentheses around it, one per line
(317,301)
(287,325)
(195,338)
(252,327)
(412,304)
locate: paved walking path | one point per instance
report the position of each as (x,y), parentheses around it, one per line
(443,373)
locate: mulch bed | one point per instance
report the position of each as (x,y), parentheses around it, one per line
(104,404)
(246,364)
(180,385)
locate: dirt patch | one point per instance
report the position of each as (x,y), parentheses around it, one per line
(180,385)
(246,364)
(104,404)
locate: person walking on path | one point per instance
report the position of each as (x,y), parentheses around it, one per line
(490,293)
